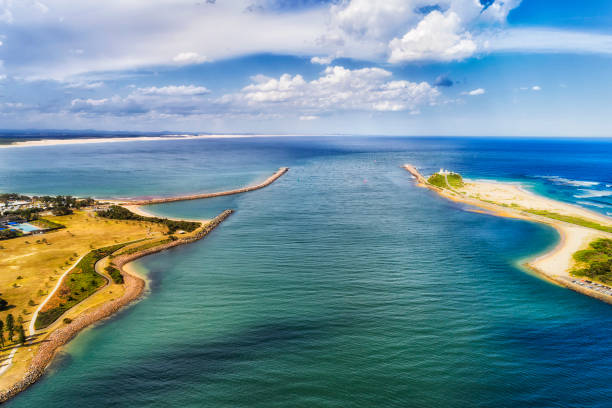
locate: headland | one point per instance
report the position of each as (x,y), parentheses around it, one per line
(76,271)
(578,227)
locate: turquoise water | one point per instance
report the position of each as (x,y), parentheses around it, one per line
(25,227)
(341,284)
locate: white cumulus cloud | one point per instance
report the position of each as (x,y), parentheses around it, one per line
(436,37)
(338,89)
(475,92)
(322,60)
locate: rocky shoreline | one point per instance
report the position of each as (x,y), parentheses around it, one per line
(267,182)
(134,287)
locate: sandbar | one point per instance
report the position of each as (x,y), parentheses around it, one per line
(514,201)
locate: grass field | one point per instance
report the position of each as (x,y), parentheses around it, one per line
(572,220)
(79,284)
(31,265)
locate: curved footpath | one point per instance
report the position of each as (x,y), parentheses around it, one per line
(31,328)
(9,361)
(266,183)
(134,286)
(554,265)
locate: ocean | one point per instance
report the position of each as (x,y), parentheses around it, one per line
(341,284)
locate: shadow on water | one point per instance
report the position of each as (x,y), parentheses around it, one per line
(173,368)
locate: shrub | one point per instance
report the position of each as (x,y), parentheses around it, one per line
(58,211)
(437,180)
(115,274)
(116,212)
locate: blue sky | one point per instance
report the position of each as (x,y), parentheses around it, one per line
(397,67)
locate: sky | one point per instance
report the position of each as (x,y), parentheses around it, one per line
(375,67)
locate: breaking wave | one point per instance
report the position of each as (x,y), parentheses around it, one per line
(569,182)
(594,193)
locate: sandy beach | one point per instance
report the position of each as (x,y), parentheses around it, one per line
(515,194)
(511,200)
(137,209)
(91,140)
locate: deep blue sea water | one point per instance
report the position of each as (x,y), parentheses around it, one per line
(341,284)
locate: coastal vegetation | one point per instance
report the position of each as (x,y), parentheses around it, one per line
(25,207)
(139,248)
(596,261)
(6,197)
(116,212)
(115,274)
(27,214)
(31,265)
(80,283)
(437,180)
(3,304)
(571,219)
(447,180)
(9,233)
(46,224)
(455,180)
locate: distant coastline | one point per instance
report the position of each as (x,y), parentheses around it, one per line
(119,139)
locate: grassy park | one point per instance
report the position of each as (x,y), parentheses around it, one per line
(30,267)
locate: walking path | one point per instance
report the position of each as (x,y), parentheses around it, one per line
(31,329)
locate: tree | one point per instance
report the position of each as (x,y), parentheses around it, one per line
(22,335)
(3,304)
(2,333)
(10,326)
(61,211)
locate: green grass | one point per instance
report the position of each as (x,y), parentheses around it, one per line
(437,180)
(570,219)
(116,212)
(9,233)
(46,224)
(455,180)
(596,262)
(115,274)
(148,245)
(79,284)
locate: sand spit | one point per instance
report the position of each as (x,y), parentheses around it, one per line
(554,265)
(134,287)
